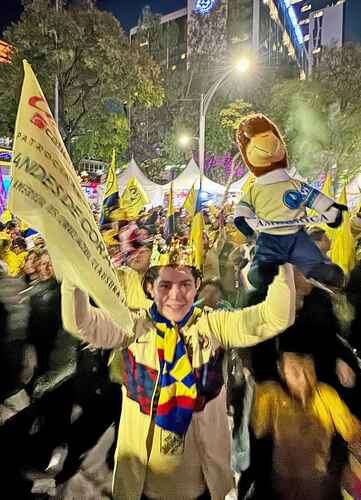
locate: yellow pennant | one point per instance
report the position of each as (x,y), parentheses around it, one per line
(190,201)
(133,199)
(196,240)
(343,248)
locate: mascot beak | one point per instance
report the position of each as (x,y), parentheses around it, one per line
(264,149)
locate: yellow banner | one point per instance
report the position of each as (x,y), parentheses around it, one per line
(190,201)
(46,193)
(133,199)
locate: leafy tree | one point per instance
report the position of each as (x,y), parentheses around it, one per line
(320,117)
(230,116)
(89,52)
(102,133)
(339,72)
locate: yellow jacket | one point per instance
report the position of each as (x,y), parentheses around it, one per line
(15,262)
(301,436)
(131,282)
(203,458)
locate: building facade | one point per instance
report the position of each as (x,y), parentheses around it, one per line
(327,23)
(216,31)
(164,36)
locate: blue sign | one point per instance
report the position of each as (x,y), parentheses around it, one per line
(204,7)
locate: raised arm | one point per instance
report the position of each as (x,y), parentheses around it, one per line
(90,324)
(249,326)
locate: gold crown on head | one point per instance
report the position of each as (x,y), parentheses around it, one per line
(177,252)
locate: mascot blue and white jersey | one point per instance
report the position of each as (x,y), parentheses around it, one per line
(275,203)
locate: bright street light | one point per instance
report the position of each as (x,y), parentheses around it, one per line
(243,65)
(184,140)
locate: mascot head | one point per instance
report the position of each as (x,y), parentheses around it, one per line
(261,144)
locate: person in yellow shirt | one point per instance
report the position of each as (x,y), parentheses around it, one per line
(131,277)
(174,441)
(301,416)
(15,256)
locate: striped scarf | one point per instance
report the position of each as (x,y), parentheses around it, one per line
(177,384)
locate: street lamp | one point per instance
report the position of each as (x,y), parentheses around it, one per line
(184,140)
(242,66)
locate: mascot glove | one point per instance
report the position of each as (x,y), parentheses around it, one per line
(334,215)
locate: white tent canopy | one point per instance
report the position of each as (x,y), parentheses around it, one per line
(181,184)
(191,175)
(153,190)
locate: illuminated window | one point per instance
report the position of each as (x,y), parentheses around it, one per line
(306,38)
(304,21)
(319,13)
(183,56)
(306,8)
(316,51)
(174,67)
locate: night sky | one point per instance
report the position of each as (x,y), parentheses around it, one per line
(127,11)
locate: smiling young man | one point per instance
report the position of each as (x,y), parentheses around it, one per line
(173,438)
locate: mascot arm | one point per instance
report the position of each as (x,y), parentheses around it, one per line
(332,211)
(243,219)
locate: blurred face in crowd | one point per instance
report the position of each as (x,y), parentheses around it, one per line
(140,260)
(143,234)
(45,268)
(17,249)
(211,294)
(14,232)
(174,291)
(298,372)
(324,244)
(31,264)
(39,242)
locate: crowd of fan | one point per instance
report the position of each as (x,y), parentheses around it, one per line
(57,397)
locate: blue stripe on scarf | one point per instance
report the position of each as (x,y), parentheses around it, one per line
(189,380)
(166,379)
(177,420)
(158,318)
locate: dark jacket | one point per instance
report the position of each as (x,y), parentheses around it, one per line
(56,350)
(315,332)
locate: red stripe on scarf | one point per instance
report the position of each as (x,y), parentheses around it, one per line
(176,401)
